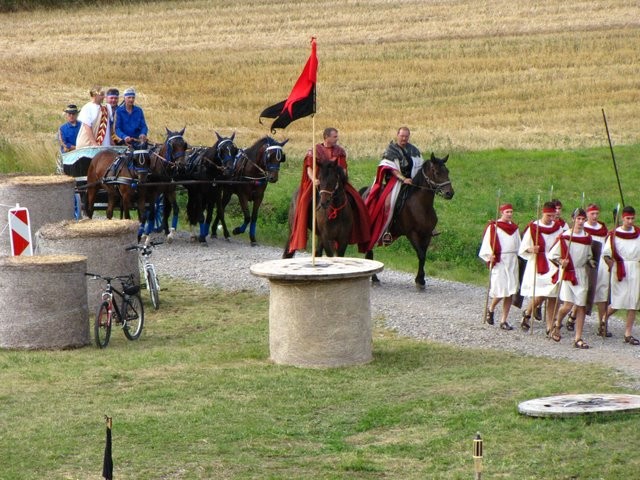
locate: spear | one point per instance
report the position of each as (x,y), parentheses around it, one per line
(535,264)
(493,248)
(613,157)
(606,316)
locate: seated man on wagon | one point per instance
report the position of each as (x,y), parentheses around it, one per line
(68,132)
(131,127)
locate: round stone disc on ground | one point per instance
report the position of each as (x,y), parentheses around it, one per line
(580,404)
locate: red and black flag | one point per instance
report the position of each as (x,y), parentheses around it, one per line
(107,464)
(302,99)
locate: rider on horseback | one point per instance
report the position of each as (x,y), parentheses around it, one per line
(400,162)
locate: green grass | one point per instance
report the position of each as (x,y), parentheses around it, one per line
(519,175)
(196,397)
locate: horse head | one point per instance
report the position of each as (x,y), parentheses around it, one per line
(331,178)
(272,156)
(226,153)
(436,176)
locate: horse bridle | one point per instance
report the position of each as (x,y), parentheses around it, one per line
(269,166)
(431,185)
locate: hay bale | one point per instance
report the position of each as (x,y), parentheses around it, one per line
(103,242)
(42,302)
(48,198)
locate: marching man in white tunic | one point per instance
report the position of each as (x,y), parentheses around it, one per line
(537,240)
(598,232)
(572,252)
(622,254)
(499,249)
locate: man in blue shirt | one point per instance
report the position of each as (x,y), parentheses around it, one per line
(68,132)
(130,123)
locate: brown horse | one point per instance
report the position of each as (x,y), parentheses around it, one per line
(414,216)
(126,175)
(254,169)
(334,213)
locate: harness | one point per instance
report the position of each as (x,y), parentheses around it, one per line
(242,160)
(332,210)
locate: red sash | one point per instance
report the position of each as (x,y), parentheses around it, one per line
(508,227)
(601,231)
(538,239)
(569,272)
(620,270)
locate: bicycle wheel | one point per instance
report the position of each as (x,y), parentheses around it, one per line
(102,326)
(133,320)
(152,285)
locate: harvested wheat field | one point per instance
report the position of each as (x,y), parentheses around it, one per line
(463,75)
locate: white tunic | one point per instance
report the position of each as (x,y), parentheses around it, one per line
(580,254)
(89,115)
(602,285)
(625,294)
(544,287)
(504,274)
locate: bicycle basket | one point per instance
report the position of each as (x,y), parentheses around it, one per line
(131,289)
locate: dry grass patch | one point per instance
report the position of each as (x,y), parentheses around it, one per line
(463,75)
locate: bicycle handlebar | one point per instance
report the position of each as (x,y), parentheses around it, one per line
(142,247)
(109,279)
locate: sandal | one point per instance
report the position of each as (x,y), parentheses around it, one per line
(580,344)
(524,325)
(603,332)
(631,340)
(555,334)
(505,326)
(571,323)
(538,313)
(489,318)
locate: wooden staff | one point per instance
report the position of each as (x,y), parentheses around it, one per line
(535,266)
(491,263)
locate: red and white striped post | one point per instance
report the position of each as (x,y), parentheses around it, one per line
(20,231)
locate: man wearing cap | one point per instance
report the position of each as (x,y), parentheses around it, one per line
(94,117)
(622,253)
(68,133)
(571,253)
(130,123)
(537,282)
(499,249)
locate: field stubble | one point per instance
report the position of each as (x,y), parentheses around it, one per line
(463,76)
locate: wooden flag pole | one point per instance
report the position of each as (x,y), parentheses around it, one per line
(313,192)
(491,264)
(535,267)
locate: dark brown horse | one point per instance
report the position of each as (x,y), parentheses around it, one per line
(130,176)
(334,214)
(206,165)
(414,216)
(254,169)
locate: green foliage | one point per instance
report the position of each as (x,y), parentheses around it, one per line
(197,397)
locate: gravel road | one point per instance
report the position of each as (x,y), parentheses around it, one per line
(445,312)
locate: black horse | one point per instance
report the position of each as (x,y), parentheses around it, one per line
(206,165)
(334,213)
(253,169)
(414,216)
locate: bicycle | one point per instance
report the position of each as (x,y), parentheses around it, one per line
(149,271)
(130,313)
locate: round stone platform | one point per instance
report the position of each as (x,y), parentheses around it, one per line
(579,404)
(319,314)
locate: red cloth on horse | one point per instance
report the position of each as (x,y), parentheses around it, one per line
(361,224)
(620,271)
(375,203)
(508,227)
(541,256)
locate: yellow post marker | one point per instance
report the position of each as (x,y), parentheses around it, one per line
(477,456)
